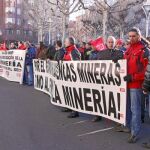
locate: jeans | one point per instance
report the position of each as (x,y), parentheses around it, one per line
(133,121)
(29,74)
(143,104)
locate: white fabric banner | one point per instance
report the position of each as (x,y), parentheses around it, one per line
(12,65)
(91,87)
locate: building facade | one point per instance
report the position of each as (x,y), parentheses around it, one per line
(14,25)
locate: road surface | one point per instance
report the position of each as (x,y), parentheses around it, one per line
(29,122)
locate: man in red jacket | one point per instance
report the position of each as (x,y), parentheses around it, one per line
(137,59)
(71,54)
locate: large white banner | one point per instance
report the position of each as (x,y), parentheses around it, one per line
(12,65)
(91,87)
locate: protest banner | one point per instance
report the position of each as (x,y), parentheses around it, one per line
(91,87)
(12,65)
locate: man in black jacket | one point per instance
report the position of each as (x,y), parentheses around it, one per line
(60,52)
(146,90)
(109,54)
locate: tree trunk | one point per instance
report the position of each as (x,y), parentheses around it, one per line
(64,29)
(104,23)
(40,35)
(121,30)
(121,34)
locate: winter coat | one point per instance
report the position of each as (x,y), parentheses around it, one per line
(22,47)
(136,64)
(93,55)
(50,53)
(110,54)
(41,53)
(30,55)
(59,55)
(146,84)
(72,53)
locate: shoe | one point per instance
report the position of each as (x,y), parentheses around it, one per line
(73,114)
(132,139)
(126,130)
(97,118)
(118,129)
(146,145)
(122,129)
(142,120)
(65,110)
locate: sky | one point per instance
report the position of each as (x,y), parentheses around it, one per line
(74,15)
(88,2)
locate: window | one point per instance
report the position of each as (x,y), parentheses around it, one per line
(18,32)
(18,1)
(30,33)
(18,21)
(26,32)
(29,22)
(9,31)
(8,3)
(10,10)
(10,20)
(31,2)
(18,11)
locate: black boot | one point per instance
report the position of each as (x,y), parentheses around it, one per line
(97,118)
(65,110)
(73,114)
(146,145)
(132,139)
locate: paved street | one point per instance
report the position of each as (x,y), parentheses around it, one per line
(29,122)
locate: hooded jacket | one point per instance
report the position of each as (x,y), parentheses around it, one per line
(72,53)
(136,64)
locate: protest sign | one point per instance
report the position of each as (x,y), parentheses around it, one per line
(91,87)
(12,65)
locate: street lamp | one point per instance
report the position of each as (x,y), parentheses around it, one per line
(50,30)
(1,34)
(146,8)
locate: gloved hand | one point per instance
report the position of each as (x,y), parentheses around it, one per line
(146,53)
(115,60)
(128,78)
(145,91)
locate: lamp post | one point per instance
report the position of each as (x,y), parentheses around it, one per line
(1,35)
(146,8)
(50,31)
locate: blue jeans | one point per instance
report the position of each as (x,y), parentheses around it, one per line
(29,74)
(133,121)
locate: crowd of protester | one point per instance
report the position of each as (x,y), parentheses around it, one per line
(135,50)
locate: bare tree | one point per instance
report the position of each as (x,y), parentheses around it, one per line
(42,16)
(66,7)
(115,15)
(124,15)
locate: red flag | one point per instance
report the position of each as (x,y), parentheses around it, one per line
(99,44)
